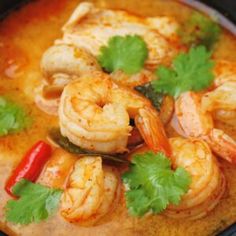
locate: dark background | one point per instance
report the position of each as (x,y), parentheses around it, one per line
(227,7)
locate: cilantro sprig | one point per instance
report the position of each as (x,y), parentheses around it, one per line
(199,30)
(13,118)
(190,71)
(35,204)
(126,53)
(152,184)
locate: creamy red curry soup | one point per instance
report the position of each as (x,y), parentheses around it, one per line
(116,118)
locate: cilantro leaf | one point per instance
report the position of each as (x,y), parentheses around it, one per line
(155,97)
(190,71)
(199,30)
(13,118)
(35,204)
(124,53)
(152,184)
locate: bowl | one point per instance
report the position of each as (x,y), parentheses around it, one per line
(224,11)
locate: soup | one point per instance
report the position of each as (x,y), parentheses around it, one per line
(24,36)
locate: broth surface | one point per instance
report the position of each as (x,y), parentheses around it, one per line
(24,36)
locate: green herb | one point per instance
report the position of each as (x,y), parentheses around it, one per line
(148,91)
(199,30)
(13,118)
(35,204)
(64,143)
(190,71)
(124,53)
(152,184)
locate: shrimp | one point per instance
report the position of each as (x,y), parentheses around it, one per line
(84,192)
(227,117)
(208,182)
(198,122)
(224,71)
(68,60)
(111,195)
(48,105)
(221,101)
(223,97)
(58,167)
(90,192)
(59,65)
(94,113)
(140,78)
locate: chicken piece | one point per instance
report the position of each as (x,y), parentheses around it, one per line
(90,28)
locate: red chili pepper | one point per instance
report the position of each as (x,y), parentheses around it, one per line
(30,166)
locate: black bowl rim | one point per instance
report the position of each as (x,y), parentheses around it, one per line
(220,15)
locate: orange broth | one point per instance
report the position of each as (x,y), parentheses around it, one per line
(24,35)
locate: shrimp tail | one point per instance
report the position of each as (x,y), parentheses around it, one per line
(152,131)
(223,145)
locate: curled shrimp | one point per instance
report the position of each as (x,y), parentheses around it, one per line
(225,116)
(59,65)
(111,195)
(198,122)
(90,191)
(223,97)
(221,102)
(208,182)
(84,192)
(196,112)
(94,113)
(67,59)
(47,94)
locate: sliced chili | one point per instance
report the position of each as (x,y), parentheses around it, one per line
(30,166)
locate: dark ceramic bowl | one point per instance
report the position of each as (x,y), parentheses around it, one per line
(225,10)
